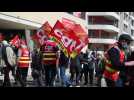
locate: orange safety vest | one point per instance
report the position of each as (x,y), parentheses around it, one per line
(111,73)
(24,59)
(49,54)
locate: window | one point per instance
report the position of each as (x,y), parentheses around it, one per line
(132,32)
(125,27)
(116,23)
(91,33)
(104,35)
(90,20)
(132,22)
(126,17)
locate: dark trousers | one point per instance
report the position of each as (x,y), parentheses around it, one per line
(75,70)
(131,83)
(50,74)
(110,83)
(98,75)
(81,74)
(37,76)
(7,83)
(21,75)
(90,72)
(99,81)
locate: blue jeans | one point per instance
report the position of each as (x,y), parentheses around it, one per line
(64,78)
(119,83)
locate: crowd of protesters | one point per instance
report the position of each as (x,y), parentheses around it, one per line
(49,64)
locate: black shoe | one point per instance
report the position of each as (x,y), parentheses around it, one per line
(85,83)
(69,85)
(91,84)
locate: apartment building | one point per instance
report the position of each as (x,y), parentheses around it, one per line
(104,28)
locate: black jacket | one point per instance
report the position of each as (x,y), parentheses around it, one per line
(63,60)
(75,62)
(114,56)
(36,60)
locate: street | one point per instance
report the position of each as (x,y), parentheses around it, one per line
(30,82)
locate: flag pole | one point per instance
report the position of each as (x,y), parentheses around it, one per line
(27,34)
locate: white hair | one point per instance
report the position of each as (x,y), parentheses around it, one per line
(5,42)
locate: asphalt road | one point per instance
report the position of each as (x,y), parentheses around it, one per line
(30,82)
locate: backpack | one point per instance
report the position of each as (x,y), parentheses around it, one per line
(11,60)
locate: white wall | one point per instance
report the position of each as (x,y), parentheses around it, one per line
(41,17)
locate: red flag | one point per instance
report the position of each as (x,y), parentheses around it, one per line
(15,41)
(42,34)
(77,29)
(81,33)
(47,29)
(68,41)
(69,24)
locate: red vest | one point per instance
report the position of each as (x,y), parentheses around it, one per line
(24,59)
(49,53)
(111,73)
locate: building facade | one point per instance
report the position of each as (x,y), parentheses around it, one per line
(26,22)
(104,28)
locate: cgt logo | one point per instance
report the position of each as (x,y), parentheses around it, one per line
(70,43)
(42,37)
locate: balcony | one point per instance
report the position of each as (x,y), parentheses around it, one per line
(102,40)
(132,17)
(112,15)
(108,28)
(132,27)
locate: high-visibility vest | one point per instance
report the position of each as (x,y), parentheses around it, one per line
(110,72)
(49,54)
(24,59)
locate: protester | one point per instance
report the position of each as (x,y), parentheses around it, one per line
(130,70)
(37,67)
(75,69)
(49,58)
(9,61)
(63,65)
(99,68)
(115,62)
(89,65)
(23,64)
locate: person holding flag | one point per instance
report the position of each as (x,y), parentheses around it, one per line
(49,58)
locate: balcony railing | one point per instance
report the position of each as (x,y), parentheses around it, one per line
(102,36)
(104,23)
(104,41)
